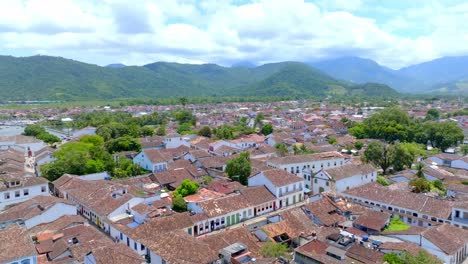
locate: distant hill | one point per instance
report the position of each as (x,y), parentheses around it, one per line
(438,71)
(424,77)
(116,65)
(359,70)
(457,87)
(55,78)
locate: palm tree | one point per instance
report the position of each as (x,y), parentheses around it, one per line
(420,170)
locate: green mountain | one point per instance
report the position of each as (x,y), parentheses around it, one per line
(55,78)
(456,87)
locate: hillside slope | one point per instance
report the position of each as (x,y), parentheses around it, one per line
(55,78)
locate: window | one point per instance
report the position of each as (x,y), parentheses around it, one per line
(121,236)
(26,261)
(327,183)
(135,245)
(457,214)
(315,180)
(17,194)
(43,188)
(25,192)
(222,220)
(6,196)
(142,247)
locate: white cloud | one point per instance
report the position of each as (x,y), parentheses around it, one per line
(227,31)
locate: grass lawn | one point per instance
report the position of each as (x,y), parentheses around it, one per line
(396,225)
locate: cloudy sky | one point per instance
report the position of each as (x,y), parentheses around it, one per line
(395,33)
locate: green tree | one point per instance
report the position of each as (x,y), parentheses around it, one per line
(161,130)
(433,114)
(273,250)
(184,128)
(224,132)
(205,132)
(267,129)
(380,155)
(239,168)
(420,185)
(420,170)
(281,149)
(358,145)
(33,130)
(48,138)
(258,122)
(179,204)
(125,143)
(359,130)
(332,140)
(147,131)
(444,134)
(53,170)
(185,116)
(183,101)
(464,149)
(393,258)
(95,140)
(187,187)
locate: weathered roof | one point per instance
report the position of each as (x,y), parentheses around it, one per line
(15,243)
(280,177)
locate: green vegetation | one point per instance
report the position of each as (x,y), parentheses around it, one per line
(382,181)
(39,132)
(407,258)
(124,143)
(179,204)
(301,150)
(206,179)
(205,132)
(393,124)
(239,169)
(273,250)
(186,188)
(332,140)
(281,149)
(87,156)
(53,78)
(464,149)
(396,225)
(433,114)
(266,129)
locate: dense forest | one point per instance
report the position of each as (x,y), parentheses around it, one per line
(54,78)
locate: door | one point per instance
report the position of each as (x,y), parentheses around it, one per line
(255,211)
(195,230)
(237,218)
(228,221)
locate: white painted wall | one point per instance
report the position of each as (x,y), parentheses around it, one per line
(51,214)
(33,192)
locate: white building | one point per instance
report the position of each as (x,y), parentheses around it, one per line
(39,210)
(341,178)
(450,160)
(286,187)
(175,140)
(448,243)
(15,189)
(460,215)
(416,209)
(153,160)
(309,163)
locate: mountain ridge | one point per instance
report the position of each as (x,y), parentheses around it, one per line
(56,78)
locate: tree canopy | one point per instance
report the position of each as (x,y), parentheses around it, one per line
(239,169)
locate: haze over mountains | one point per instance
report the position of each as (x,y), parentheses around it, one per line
(56,78)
